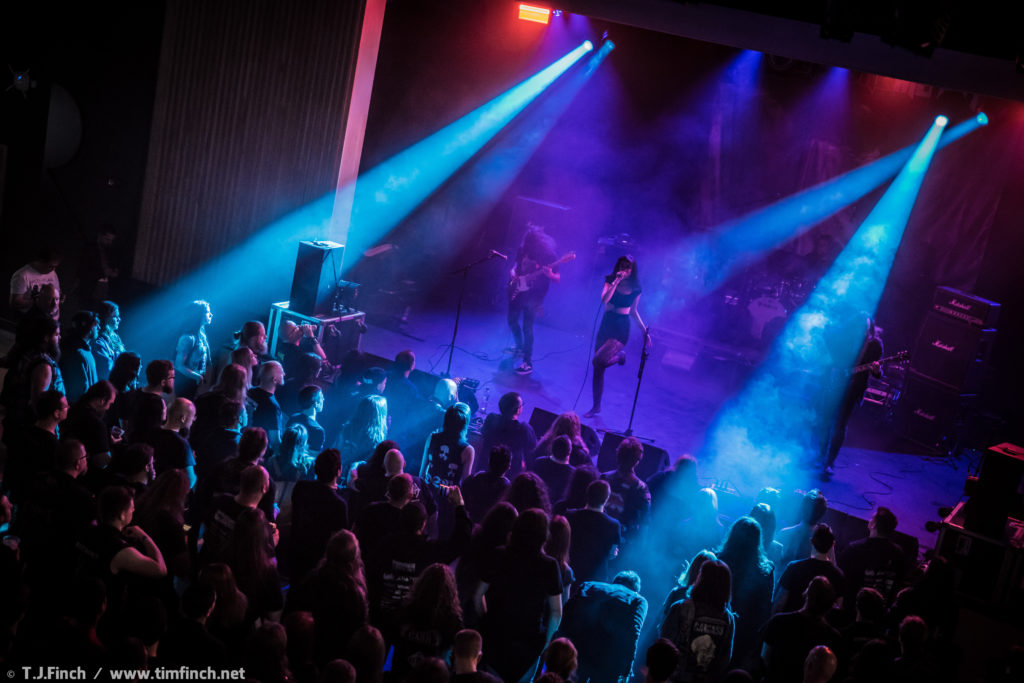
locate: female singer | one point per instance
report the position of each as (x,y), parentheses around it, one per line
(620,295)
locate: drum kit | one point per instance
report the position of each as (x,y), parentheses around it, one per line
(756,309)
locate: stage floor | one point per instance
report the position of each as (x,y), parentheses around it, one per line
(683,388)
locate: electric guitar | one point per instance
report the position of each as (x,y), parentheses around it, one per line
(895,359)
(518,284)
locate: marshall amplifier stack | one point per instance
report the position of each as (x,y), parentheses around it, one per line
(946,367)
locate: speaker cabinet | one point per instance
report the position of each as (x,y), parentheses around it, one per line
(952,353)
(317,273)
(930,414)
(655,459)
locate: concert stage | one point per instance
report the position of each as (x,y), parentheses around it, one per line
(681,394)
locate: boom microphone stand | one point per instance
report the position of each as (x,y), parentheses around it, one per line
(458,309)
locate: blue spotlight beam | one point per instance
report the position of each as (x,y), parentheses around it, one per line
(737,243)
(476,187)
(389,192)
(777,420)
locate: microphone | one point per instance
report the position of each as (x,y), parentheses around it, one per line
(498,254)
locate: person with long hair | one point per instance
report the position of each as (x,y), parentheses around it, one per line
(566,424)
(576,490)
(701,626)
(557,546)
(228,620)
(124,375)
(367,427)
(108,345)
(448,457)
(429,619)
(231,386)
(620,296)
(250,555)
(292,461)
(490,535)
(192,351)
(335,594)
(528,491)
(532,273)
(753,578)
(520,599)
(161,514)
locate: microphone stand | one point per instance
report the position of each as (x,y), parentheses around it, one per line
(458,309)
(644,353)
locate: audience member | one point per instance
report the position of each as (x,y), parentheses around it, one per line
(790,636)
(520,598)
(561,661)
(77,365)
(249,552)
(188,642)
(318,512)
(764,514)
(604,620)
(796,540)
(630,501)
(311,402)
(596,535)
(491,534)
(335,594)
(702,531)
(528,491)
(428,620)
(752,582)
(483,489)
(364,431)
(125,378)
(108,345)
(382,518)
(160,512)
(576,491)
(467,650)
(820,666)
(149,400)
(702,626)
(875,561)
(557,548)
(661,660)
(555,469)
(27,280)
(220,443)
(32,368)
(505,428)
(85,423)
(798,574)
(192,357)
(32,450)
(171,449)
(674,488)
(566,424)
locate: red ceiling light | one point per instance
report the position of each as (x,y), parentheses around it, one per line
(540,15)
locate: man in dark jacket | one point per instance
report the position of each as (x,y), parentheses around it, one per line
(604,621)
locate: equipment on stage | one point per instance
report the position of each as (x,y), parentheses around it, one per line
(968,308)
(337,334)
(947,370)
(520,284)
(317,276)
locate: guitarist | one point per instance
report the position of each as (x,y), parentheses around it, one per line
(527,295)
(869,355)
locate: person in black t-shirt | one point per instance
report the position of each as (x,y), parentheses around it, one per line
(555,469)
(595,535)
(875,561)
(268,413)
(631,500)
(484,489)
(32,450)
(799,573)
(789,636)
(466,653)
(506,428)
(520,598)
(85,422)
(171,450)
(318,511)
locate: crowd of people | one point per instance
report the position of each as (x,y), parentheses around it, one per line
(243,513)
